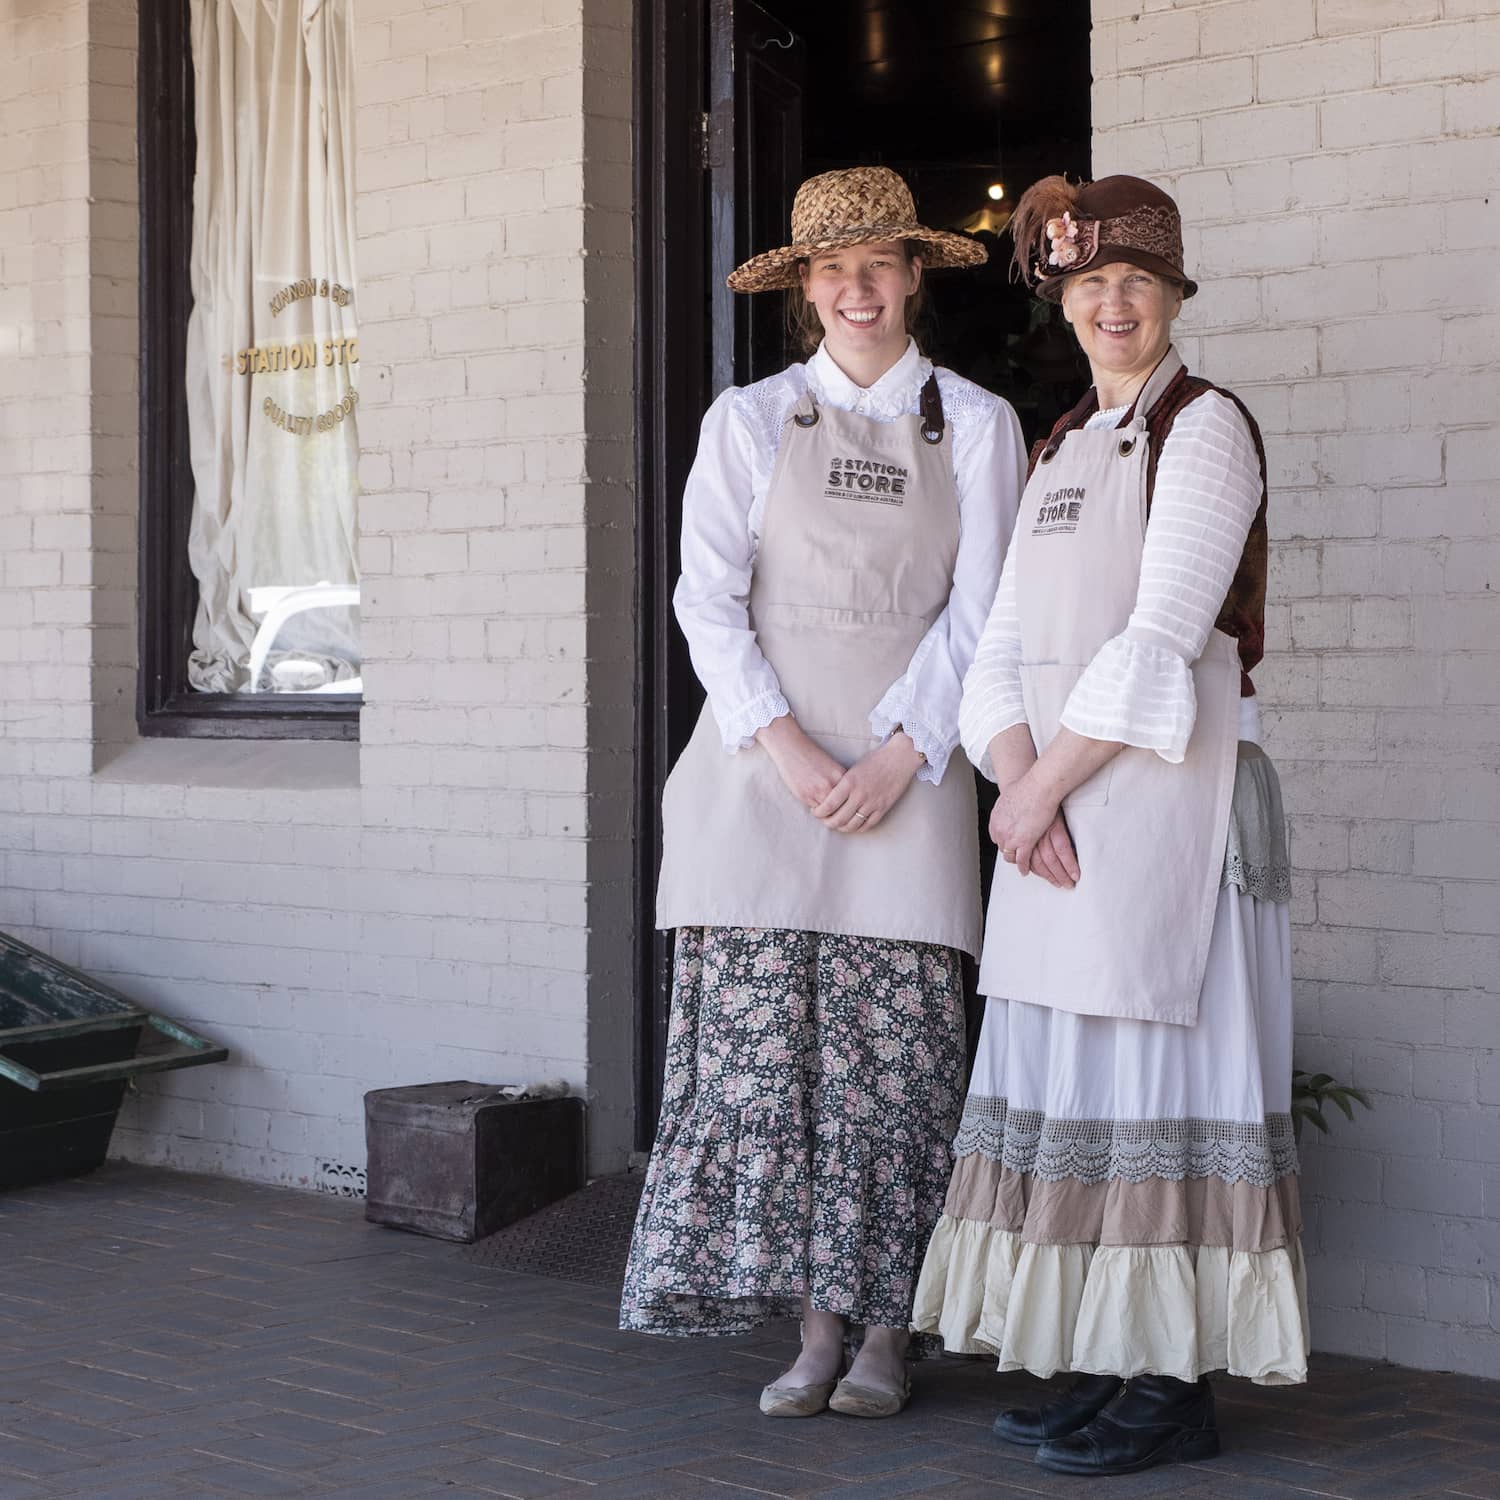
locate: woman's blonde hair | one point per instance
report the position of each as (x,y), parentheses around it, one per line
(805,327)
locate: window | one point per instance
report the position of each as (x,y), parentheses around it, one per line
(249,588)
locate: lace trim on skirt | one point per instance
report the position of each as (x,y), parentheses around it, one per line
(1256,858)
(1271,883)
(1025,1140)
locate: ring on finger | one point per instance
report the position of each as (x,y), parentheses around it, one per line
(860,817)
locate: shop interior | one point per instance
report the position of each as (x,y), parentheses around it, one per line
(971,102)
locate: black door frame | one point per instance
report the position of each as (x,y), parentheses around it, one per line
(671,393)
(701,73)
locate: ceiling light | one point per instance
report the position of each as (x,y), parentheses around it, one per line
(996,191)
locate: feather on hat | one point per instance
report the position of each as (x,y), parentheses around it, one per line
(1060,228)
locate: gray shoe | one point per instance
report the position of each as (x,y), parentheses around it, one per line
(796,1400)
(865,1401)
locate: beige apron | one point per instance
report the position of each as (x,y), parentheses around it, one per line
(858,542)
(1131,939)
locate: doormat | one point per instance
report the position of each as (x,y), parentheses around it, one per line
(583,1237)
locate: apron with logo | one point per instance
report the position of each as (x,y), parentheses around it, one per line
(858,543)
(1131,939)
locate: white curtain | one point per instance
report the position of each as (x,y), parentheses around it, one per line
(272,389)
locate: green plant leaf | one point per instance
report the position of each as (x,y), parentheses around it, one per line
(1312,1092)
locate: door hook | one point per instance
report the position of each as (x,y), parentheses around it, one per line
(786,44)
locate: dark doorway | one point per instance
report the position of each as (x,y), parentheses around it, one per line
(964,100)
(737,102)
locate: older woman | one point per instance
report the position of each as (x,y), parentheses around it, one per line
(1125,1201)
(843,528)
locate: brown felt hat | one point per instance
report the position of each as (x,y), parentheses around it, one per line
(1062,228)
(854,206)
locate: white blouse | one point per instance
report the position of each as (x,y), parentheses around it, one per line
(1138,689)
(723,505)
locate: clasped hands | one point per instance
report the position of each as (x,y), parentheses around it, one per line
(847,801)
(1027,825)
(1030,832)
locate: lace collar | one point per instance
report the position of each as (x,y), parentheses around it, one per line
(893,395)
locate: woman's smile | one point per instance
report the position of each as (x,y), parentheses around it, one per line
(1122,316)
(860,295)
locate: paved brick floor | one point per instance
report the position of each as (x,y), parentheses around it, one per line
(167,1335)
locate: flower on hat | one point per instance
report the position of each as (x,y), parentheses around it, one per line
(1062,233)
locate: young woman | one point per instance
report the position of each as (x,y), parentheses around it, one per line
(1125,1200)
(843,529)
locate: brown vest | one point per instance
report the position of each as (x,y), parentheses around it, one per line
(1244,613)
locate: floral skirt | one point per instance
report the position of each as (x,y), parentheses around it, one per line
(813,1083)
(1125,1196)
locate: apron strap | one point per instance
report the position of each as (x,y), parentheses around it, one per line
(1161,377)
(933,420)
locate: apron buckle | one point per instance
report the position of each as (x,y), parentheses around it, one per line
(931,403)
(806,419)
(1127,447)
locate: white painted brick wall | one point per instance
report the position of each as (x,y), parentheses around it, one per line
(1336,162)
(452,898)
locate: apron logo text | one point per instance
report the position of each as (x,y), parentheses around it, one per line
(864,479)
(1059,512)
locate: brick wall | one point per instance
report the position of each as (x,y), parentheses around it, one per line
(1335,161)
(496,521)
(450,898)
(45,415)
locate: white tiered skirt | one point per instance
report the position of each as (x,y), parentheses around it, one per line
(1125,1195)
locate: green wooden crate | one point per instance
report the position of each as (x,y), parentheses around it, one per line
(69,1046)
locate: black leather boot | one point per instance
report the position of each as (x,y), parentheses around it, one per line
(1076,1407)
(1158,1420)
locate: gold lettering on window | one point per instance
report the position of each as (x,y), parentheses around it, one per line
(310,286)
(304,354)
(272,359)
(324,421)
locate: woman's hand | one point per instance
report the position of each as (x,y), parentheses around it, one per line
(871,787)
(807,770)
(1030,832)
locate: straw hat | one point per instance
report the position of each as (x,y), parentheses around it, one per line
(855,206)
(1062,228)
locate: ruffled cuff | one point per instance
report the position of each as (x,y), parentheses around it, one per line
(1137,694)
(738,728)
(888,716)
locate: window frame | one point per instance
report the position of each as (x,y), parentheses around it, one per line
(167,592)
